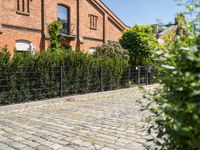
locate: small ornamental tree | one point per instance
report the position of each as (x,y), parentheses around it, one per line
(139,41)
(113,50)
(54,30)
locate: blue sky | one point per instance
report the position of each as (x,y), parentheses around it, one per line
(144,11)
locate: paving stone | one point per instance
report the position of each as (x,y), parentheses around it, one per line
(17,145)
(33,144)
(86,144)
(2,146)
(2,138)
(47,143)
(42,147)
(106,148)
(135,146)
(8,148)
(27,148)
(125,141)
(65,148)
(56,146)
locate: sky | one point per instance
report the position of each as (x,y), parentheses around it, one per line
(144,11)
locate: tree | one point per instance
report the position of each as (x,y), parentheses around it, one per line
(139,41)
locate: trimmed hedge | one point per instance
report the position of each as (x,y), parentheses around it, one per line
(28,78)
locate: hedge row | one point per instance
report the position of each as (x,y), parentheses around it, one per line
(52,74)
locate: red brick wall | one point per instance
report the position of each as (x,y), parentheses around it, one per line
(9,37)
(9,15)
(113,33)
(29,27)
(20,27)
(86,9)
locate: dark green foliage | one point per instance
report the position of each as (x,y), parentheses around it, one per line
(4,57)
(178,102)
(178,121)
(139,40)
(113,50)
(28,78)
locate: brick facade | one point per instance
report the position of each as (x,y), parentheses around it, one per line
(30,22)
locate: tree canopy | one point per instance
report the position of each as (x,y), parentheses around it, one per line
(139,41)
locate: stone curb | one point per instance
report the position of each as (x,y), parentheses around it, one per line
(57,100)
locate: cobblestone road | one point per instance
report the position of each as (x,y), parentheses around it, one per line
(105,121)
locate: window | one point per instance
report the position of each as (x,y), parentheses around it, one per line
(23,7)
(63,17)
(24,46)
(93,22)
(92,50)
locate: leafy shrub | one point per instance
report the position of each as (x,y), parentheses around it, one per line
(139,40)
(113,50)
(177,120)
(177,111)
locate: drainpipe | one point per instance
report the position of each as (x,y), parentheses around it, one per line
(78,25)
(42,26)
(104,27)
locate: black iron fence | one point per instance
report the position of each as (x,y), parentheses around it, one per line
(27,84)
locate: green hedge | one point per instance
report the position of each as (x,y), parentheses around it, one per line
(28,78)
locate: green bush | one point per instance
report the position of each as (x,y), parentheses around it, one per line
(28,78)
(178,122)
(139,40)
(177,111)
(113,50)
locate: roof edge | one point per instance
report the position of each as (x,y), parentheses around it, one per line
(109,11)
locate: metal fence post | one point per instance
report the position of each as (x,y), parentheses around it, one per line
(101,69)
(61,81)
(138,75)
(147,75)
(129,76)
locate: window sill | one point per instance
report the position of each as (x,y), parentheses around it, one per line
(23,13)
(1,30)
(71,37)
(93,28)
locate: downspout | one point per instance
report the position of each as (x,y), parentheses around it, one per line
(42,26)
(78,25)
(104,27)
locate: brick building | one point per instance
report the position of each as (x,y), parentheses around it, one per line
(86,23)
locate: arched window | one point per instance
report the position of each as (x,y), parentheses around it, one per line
(92,50)
(64,18)
(24,46)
